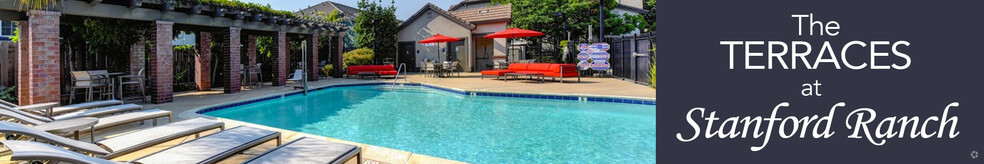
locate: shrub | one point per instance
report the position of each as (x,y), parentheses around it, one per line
(7,94)
(327,69)
(361,56)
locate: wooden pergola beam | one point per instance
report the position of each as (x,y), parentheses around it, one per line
(10,11)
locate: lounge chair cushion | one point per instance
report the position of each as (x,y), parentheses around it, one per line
(28,150)
(211,148)
(131,117)
(99,111)
(81,106)
(148,137)
(307,150)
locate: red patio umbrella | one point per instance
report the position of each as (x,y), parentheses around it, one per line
(438,38)
(513,32)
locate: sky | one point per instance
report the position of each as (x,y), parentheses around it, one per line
(404,8)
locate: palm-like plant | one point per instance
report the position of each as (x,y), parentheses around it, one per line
(37,4)
(652,68)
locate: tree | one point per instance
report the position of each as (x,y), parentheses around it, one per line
(376,27)
(651,16)
(540,15)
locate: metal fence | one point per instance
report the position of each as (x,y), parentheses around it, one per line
(631,56)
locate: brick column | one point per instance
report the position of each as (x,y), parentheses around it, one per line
(313,60)
(282,59)
(251,54)
(39,73)
(138,62)
(203,62)
(231,46)
(340,41)
(161,59)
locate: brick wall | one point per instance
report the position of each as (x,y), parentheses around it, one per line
(251,54)
(39,71)
(161,56)
(138,59)
(313,60)
(23,74)
(282,59)
(203,62)
(232,47)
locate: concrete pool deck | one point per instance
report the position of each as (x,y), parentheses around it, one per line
(185,102)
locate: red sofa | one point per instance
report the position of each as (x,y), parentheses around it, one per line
(378,69)
(548,69)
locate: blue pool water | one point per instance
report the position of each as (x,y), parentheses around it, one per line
(477,129)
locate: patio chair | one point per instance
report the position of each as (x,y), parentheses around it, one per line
(500,64)
(420,66)
(137,81)
(296,77)
(119,145)
(83,80)
(309,150)
(452,68)
(258,73)
(102,77)
(429,68)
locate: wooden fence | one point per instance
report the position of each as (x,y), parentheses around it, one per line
(8,63)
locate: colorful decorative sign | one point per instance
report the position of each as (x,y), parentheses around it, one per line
(594,56)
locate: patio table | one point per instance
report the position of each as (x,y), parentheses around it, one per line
(71,125)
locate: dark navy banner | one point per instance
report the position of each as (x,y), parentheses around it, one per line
(784,81)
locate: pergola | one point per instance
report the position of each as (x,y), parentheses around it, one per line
(38,55)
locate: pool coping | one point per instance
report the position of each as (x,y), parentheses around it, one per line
(200,111)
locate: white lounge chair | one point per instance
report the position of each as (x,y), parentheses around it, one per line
(207,149)
(119,145)
(212,148)
(96,112)
(51,109)
(309,150)
(104,122)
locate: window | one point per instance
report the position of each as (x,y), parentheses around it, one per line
(7,28)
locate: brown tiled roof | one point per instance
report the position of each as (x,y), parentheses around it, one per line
(438,10)
(497,13)
(467,2)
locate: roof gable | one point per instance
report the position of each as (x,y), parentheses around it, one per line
(439,11)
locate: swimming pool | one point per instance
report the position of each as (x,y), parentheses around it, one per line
(465,127)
